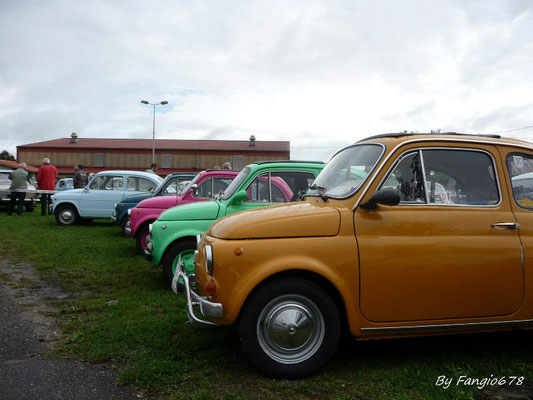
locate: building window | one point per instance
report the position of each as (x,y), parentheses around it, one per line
(166,160)
(238,162)
(98,159)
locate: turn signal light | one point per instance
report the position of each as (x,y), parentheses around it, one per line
(238,251)
(210,287)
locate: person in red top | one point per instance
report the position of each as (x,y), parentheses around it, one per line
(46,180)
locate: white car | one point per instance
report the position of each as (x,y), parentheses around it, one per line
(31,198)
(98,198)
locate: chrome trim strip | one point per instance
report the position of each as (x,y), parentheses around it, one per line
(465,325)
(425,185)
(371,181)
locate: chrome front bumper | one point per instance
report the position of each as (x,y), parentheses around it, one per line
(114,217)
(206,307)
(127,229)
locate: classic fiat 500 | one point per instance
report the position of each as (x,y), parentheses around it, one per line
(205,186)
(435,237)
(98,198)
(172,184)
(257,185)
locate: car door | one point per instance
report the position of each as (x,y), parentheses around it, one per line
(440,256)
(98,201)
(519,177)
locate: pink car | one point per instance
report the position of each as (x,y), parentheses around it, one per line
(203,187)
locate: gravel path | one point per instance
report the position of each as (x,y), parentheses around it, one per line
(26,333)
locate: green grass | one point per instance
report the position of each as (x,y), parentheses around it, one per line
(125,315)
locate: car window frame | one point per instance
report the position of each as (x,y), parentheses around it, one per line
(427,203)
(515,153)
(270,183)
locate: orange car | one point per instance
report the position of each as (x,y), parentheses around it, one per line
(431,237)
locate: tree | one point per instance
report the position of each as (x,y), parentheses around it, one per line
(6,155)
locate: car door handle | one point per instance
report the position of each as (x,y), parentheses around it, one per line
(508,225)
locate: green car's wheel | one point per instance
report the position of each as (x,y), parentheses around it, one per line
(185,249)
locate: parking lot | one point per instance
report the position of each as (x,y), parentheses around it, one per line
(118,311)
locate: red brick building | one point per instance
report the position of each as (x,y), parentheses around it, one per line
(136,154)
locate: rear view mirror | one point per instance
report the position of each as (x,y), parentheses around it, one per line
(387,197)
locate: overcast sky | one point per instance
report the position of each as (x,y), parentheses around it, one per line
(321,74)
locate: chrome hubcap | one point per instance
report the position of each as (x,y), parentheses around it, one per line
(66,216)
(290,329)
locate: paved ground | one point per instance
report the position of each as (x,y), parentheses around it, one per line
(26,333)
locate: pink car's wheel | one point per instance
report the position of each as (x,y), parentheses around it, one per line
(140,237)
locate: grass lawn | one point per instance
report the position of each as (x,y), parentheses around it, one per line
(127,316)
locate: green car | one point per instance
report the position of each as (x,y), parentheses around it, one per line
(257,185)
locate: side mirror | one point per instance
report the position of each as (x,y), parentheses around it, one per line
(239,197)
(194,189)
(387,197)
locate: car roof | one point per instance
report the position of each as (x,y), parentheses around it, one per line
(402,137)
(288,164)
(136,173)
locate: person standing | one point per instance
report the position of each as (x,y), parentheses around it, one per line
(80,177)
(46,180)
(152,169)
(226,165)
(19,179)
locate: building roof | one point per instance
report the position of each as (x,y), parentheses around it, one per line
(162,144)
(15,165)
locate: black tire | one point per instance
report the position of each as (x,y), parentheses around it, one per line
(67,215)
(123,224)
(140,235)
(307,347)
(170,256)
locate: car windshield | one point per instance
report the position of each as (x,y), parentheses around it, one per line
(4,176)
(346,171)
(186,188)
(234,185)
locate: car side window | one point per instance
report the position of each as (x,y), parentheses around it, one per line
(520,169)
(220,185)
(279,186)
(460,177)
(170,187)
(445,177)
(113,183)
(407,178)
(205,189)
(258,190)
(98,183)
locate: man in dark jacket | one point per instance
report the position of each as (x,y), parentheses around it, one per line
(80,177)
(19,179)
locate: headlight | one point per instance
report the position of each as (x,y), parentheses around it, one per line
(150,229)
(208,259)
(198,240)
(129,211)
(115,206)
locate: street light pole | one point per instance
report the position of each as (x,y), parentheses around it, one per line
(153,126)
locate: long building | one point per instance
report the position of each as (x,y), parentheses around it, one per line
(136,154)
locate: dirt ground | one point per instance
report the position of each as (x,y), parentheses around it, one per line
(28,332)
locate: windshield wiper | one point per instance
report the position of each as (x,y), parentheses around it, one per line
(321,190)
